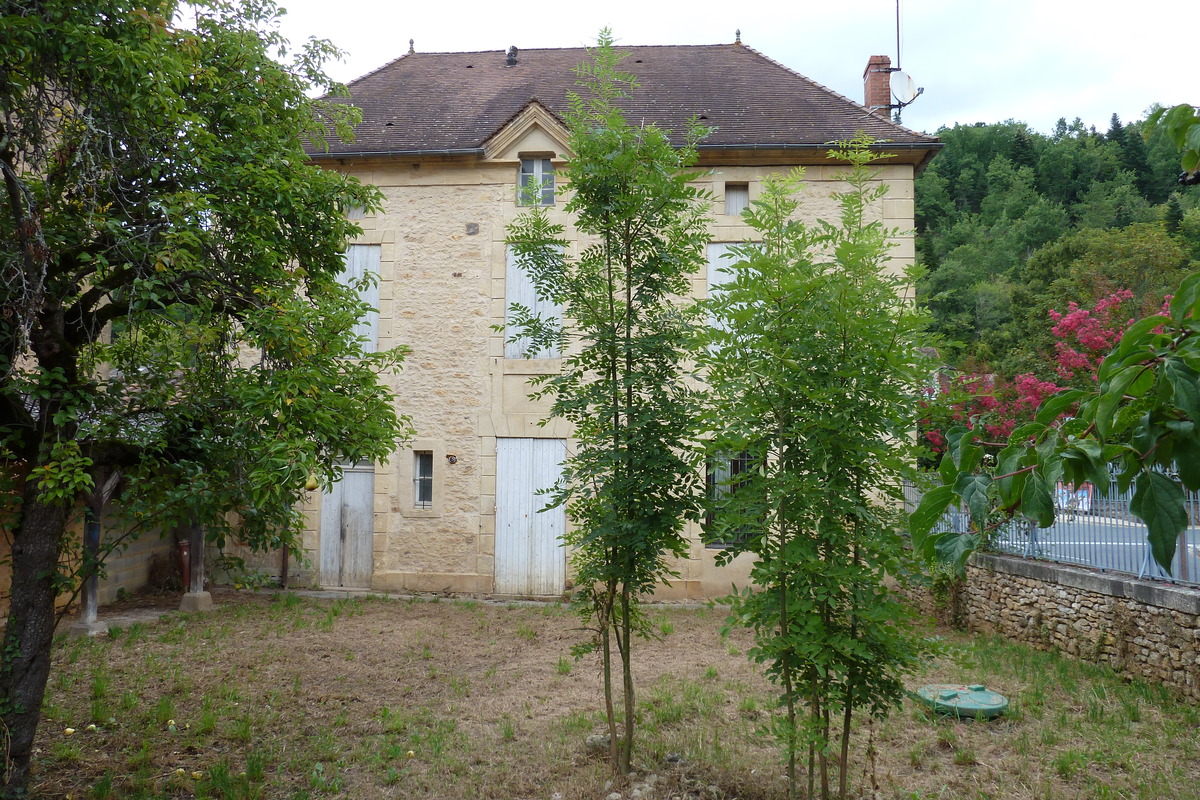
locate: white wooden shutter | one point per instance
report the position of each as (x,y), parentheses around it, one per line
(518,288)
(361,259)
(737,198)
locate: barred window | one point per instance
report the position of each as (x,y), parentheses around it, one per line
(423,479)
(722,479)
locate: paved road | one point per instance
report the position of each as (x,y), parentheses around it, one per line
(1109,543)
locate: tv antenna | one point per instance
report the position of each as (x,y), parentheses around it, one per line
(903,89)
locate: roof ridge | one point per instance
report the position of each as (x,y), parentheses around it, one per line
(366,75)
(618,47)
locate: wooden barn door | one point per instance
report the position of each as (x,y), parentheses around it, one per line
(530,559)
(348,529)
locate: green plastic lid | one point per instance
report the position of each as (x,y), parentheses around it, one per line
(971,700)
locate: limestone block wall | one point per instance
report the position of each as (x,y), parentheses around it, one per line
(1148,630)
(145,560)
(442,292)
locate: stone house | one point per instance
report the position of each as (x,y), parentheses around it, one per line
(450,139)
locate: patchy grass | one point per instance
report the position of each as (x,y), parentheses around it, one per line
(282,696)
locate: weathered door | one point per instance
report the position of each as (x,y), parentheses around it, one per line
(530,559)
(348,529)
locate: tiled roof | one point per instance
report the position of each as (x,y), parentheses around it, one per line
(425,102)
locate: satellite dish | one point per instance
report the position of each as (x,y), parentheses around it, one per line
(903,88)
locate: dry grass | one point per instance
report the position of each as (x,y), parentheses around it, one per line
(278,696)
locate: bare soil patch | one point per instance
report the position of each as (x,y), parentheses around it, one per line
(282,696)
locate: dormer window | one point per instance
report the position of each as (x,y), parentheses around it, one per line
(535,186)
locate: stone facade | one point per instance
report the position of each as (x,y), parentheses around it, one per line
(442,292)
(443,136)
(1144,629)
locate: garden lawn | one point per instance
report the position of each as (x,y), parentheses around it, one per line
(284,696)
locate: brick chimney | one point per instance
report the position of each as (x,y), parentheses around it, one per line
(877,86)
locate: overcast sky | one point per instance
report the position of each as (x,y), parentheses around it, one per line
(978,60)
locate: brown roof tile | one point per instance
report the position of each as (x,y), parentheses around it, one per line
(425,102)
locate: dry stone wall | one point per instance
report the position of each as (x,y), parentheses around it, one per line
(1145,629)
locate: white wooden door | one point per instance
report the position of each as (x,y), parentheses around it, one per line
(530,559)
(348,529)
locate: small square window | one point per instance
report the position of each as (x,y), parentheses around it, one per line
(737,198)
(423,479)
(535,186)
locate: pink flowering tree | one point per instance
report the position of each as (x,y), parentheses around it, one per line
(1137,416)
(996,406)
(1085,335)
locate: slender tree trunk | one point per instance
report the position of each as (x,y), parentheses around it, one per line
(845,765)
(784,577)
(626,621)
(791,731)
(845,768)
(627,674)
(814,706)
(25,659)
(825,752)
(786,663)
(605,619)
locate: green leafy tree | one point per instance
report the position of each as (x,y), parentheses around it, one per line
(978,228)
(1182,126)
(171,309)
(632,480)
(814,372)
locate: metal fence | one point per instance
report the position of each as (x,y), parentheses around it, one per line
(1089,530)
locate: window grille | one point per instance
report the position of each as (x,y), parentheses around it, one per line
(423,478)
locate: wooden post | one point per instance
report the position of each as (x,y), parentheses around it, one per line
(196,599)
(87,625)
(1182,547)
(105,484)
(196,552)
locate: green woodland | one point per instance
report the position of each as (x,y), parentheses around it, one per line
(1012,223)
(1055,229)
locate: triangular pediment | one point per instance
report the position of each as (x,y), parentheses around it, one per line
(533,129)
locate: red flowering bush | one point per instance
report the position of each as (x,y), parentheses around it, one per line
(1086,335)
(997,405)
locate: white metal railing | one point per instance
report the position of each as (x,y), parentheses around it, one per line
(1090,530)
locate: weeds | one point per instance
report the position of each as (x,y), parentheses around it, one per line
(260,717)
(508,730)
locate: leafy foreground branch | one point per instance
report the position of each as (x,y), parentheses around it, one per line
(814,368)
(170,295)
(1140,419)
(632,482)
